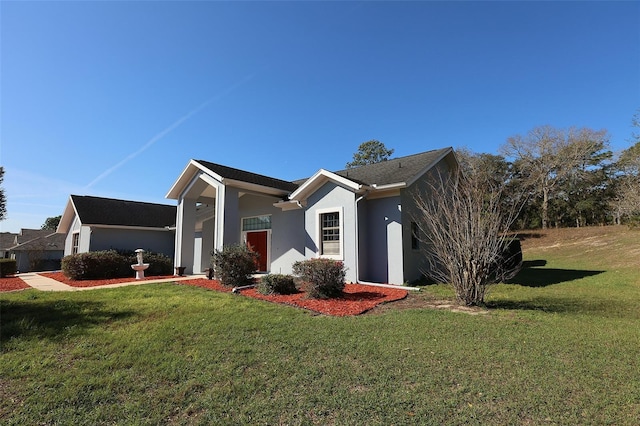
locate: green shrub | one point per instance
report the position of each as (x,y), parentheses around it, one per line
(159,263)
(112,264)
(8,267)
(324,277)
(234,265)
(277,284)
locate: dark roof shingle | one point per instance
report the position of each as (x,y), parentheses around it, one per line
(108,211)
(249,177)
(402,169)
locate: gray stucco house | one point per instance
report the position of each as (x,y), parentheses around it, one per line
(33,249)
(361,216)
(95,223)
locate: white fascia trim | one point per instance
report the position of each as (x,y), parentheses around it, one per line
(255,188)
(319,178)
(133,228)
(389,186)
(186,177)
(431,165)
(289,205)
(66,221)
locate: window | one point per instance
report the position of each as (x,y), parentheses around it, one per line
(415,239)
(75,239)
(330,234)
(256,223)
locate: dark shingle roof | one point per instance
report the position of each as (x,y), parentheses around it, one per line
(50,242)
(7,240)
(244,176)
(107,211)
(401,169)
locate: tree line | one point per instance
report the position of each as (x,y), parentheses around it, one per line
(570,177)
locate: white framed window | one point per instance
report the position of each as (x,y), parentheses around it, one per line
(330,233)
(75,241)
(256,223)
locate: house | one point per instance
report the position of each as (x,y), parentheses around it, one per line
(361,216)
(7,240)
(94,223)
(37,250)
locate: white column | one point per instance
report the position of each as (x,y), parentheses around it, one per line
(185,234)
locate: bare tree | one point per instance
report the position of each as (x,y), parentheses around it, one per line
(547,155)
(464,224)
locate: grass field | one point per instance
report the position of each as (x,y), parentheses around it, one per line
(558,345)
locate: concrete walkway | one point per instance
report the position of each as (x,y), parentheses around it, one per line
(47,284)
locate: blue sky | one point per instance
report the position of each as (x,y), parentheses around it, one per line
(113,99)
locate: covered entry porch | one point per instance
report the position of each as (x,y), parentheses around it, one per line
(220,206)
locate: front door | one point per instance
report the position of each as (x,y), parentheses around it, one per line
(257,241)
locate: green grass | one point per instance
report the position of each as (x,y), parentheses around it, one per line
(558,346)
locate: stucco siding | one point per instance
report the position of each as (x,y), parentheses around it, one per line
(415,261)
(384,248)
(68,242)
(287,242)
(131,239)
(332,197)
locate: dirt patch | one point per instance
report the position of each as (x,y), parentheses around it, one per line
(606,247)
(424,300)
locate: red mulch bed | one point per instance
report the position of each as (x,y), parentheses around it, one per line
(12,283)
(356,300)
(59,276)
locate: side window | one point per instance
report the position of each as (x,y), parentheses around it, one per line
(415,236)
(330,234)
(75,239)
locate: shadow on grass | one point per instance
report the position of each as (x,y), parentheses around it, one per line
(529,235)
(53,319)
(531,276)
(595,307)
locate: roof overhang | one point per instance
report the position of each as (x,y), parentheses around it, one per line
(67,217)
(321,177)
(446,152)
(195,170)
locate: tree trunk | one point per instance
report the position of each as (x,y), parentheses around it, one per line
(545,207)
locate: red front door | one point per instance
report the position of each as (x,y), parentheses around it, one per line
(257,241)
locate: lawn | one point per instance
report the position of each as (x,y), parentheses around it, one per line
(558,345)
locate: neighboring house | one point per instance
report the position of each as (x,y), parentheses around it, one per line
(37,250)
(95,223)
(32,249)
(361,216)
(7,240)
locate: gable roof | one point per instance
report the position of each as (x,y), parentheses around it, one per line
(49,242)
(7,240)
(111,212)
(397,170)
(249,177)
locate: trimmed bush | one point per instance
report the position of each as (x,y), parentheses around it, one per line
(324,277)
(159,264)
(8,267)
(277,284)
(107,264)
(234,265)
